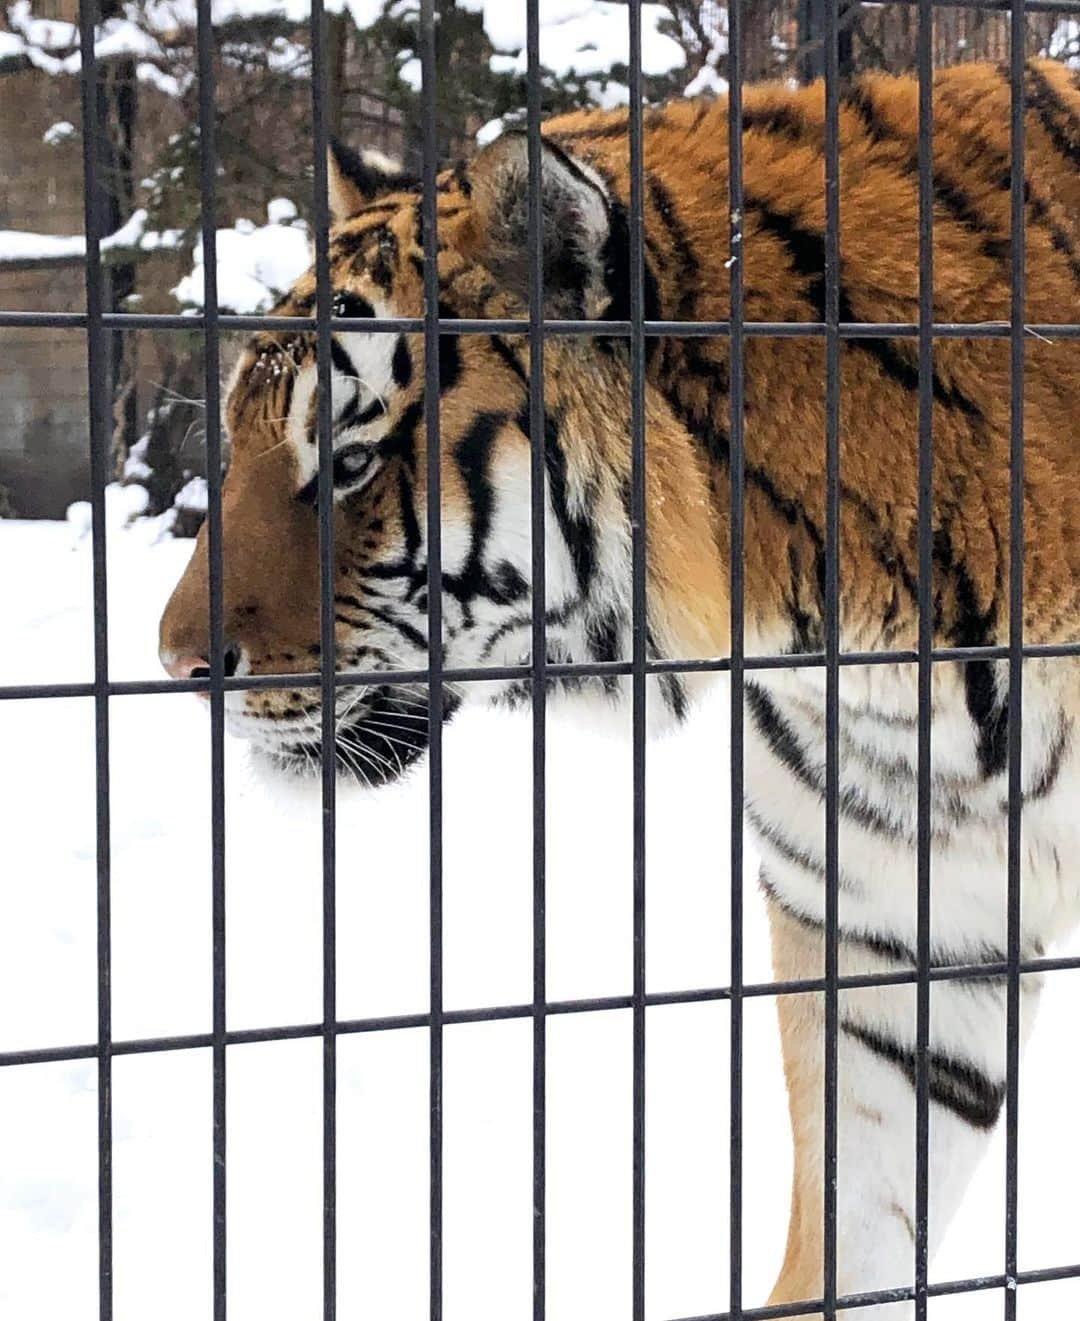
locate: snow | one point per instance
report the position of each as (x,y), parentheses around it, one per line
(584,37)
(22,245)
(411,73)
(123,504)
(136,467)
(52,45)
(58,132)
(193,496)
(706,80)
(608,94)
(256,264)
(281,211)
(490,131)
(168,83)
(581,36)
(1064,42)
(161,978)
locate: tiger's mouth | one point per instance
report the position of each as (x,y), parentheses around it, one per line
(379,737)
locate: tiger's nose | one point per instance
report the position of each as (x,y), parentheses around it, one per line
(190,666)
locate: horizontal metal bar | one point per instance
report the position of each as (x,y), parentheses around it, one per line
(553,1008)
(517,326)
(850,1302)
(1003,6)
(1029,6)
(811,660)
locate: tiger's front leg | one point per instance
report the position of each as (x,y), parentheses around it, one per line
(876,1112)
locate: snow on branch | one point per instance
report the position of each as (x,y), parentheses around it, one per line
(21,246)
(578,36)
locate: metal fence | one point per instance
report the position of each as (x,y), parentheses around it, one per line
(637,330)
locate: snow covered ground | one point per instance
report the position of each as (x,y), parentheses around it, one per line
(161,981)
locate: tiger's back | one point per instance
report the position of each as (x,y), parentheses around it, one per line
(783,253)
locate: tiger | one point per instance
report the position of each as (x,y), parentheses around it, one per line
(271,598)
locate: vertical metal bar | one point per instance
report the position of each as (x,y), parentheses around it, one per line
(327,650)
(98,401)
(537,435)
(832,640)
(429,211)
(1016,641)
(215,551)
(639,608)
(736,424)
(925,58)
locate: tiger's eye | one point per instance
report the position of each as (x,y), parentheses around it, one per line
(351,462)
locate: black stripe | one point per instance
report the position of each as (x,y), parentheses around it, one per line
(714,438)
(787,848)
(407,630)
(410,524)
(551,618)
(955,1085)
(686,363)
(341,360)
(785,746)
(400,441)
(679,237)
(473,456)
(352,415)
(994,244)
(386,261)
(1054,760)
(616,267)
(507,354)
(777,120)
(674,693)
(450,365)
(577,529)
(401,365)
(369,180)
(806,250)
(602,634)
(1051,109)
(347,304)
(883,947)
(973,627)
(997,165)
(888,947)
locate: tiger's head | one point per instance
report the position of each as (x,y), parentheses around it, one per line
(270,523)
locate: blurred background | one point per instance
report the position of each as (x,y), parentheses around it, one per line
(149,203)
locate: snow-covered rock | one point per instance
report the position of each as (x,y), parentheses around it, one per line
(281,211)
(256,264)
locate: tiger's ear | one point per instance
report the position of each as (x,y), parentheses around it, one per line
(356,178)
(576,218)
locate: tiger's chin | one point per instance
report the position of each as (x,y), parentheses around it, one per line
(378,746)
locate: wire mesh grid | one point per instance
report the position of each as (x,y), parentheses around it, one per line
(637,330)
